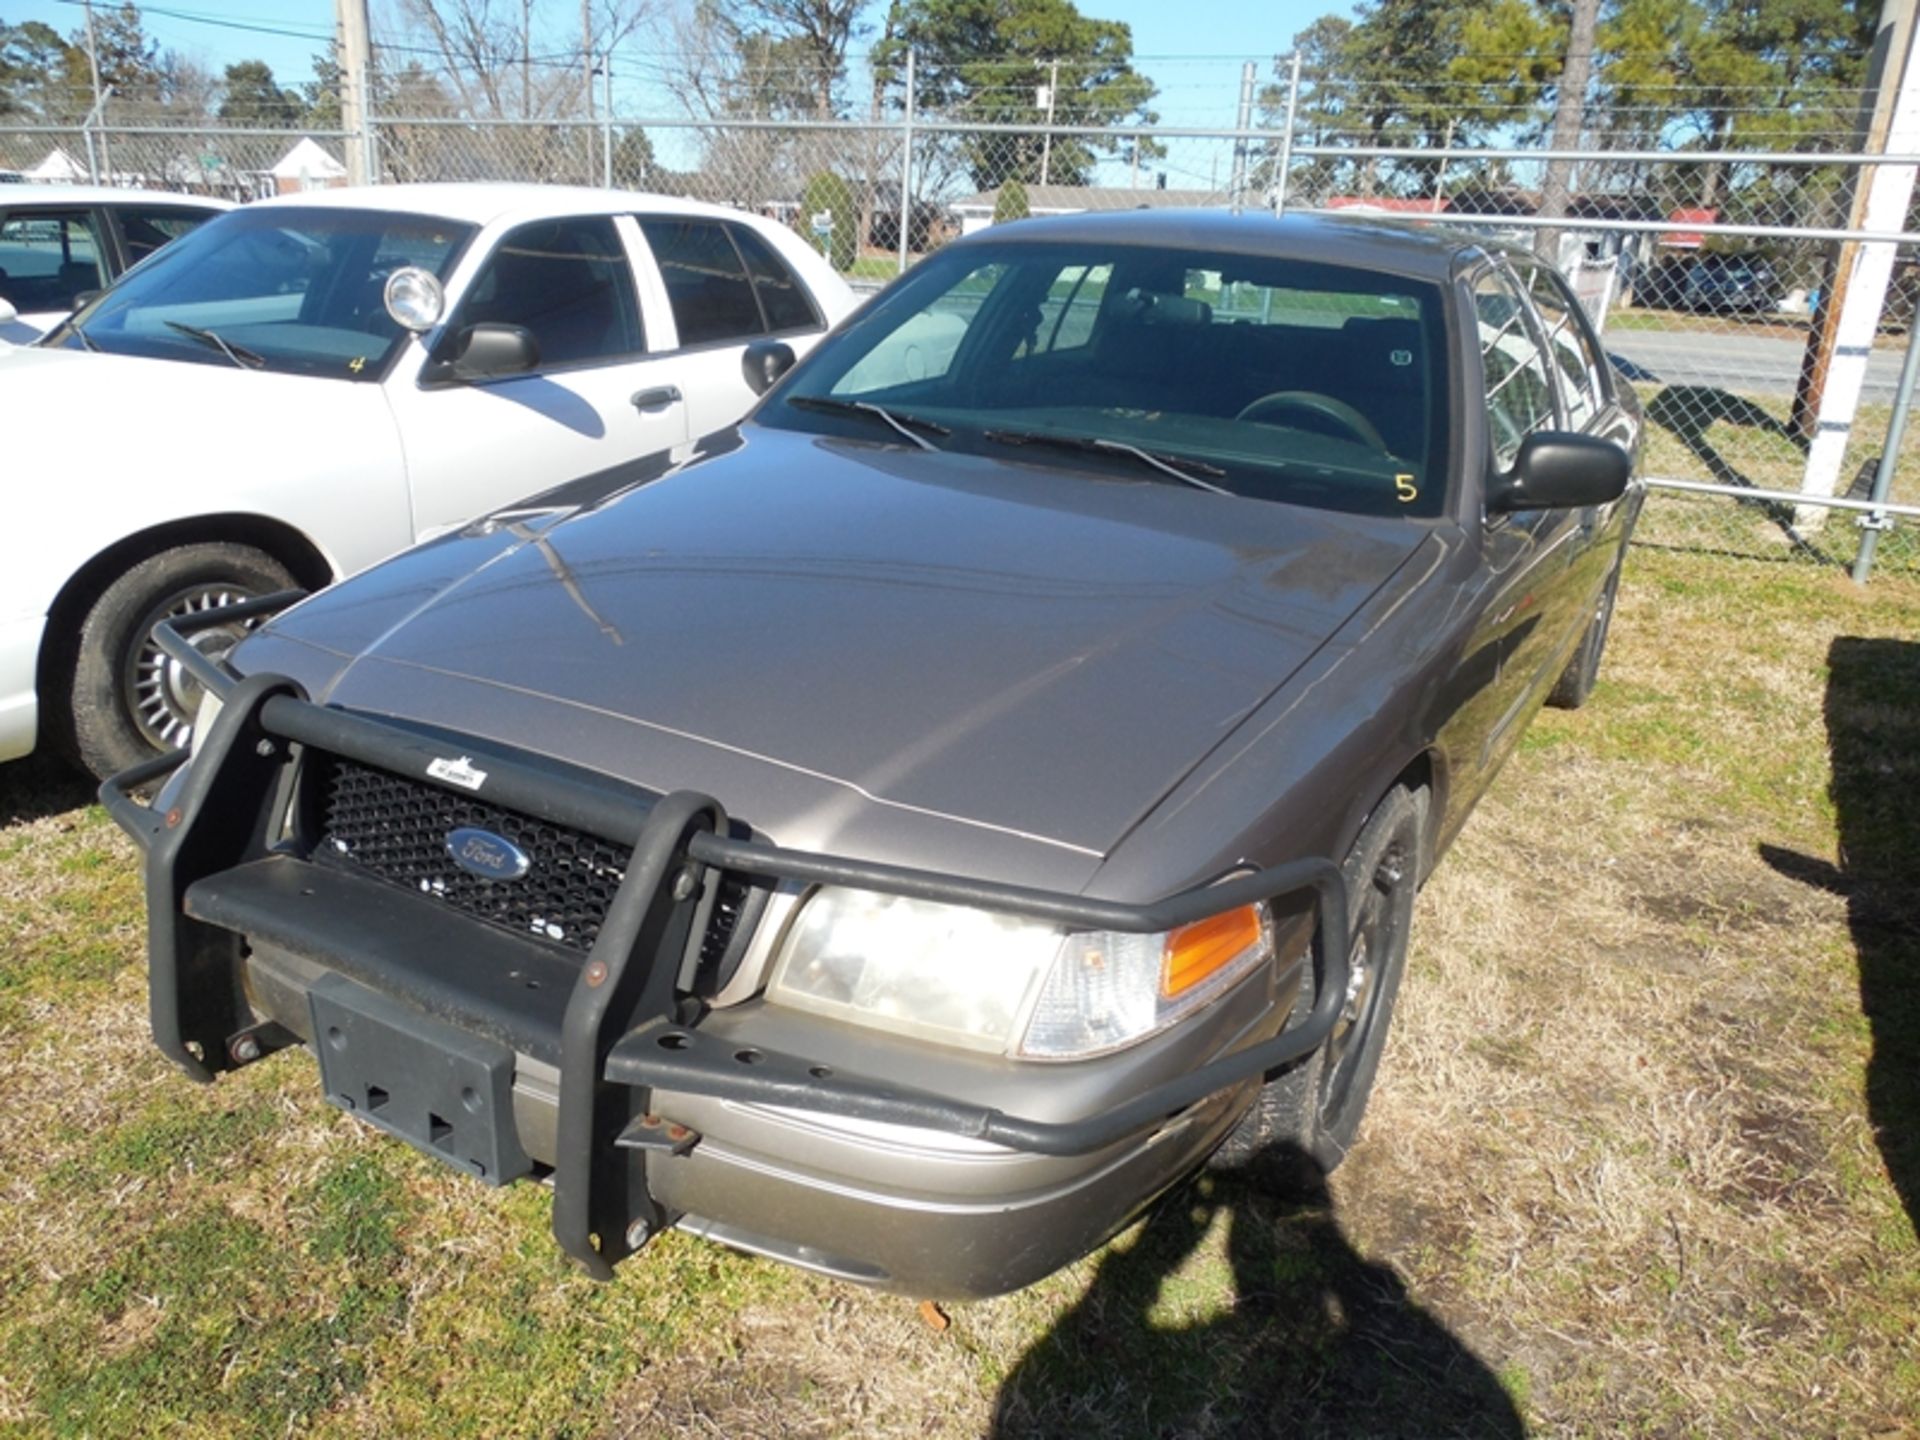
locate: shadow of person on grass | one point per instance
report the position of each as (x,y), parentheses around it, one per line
(1318,1341)
(39,786)
(1873,744)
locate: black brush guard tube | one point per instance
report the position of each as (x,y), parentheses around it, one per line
(629,1028)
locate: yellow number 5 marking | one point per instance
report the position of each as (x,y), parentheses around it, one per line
(1405,490)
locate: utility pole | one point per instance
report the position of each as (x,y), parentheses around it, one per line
(1840,339)
(356,71)
(586,74)
(1046,141)
(1242,121)
(99,104)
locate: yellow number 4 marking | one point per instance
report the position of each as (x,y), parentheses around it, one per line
(357,363)
(1405,490)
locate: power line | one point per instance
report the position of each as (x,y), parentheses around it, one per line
(222,22)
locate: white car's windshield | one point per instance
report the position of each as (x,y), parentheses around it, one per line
(1275,378)
(300,291)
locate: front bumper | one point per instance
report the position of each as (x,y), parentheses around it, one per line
(19,700)
(827,1145)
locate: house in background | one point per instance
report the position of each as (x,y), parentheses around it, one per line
(305,167)
(59,168)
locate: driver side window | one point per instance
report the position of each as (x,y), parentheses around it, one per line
(1519,389)
(568,283)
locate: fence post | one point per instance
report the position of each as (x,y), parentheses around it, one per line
(606,113)
(906,168)
(1286,137)
(1872,523)
(1242,121)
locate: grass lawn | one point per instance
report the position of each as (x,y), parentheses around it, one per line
(1644,1159)
(1708,434)
(874,267)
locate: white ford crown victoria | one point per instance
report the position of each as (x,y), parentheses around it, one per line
(307,384)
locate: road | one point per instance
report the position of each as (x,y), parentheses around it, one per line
(1729,360)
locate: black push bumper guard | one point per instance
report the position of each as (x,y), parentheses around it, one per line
(629,1028)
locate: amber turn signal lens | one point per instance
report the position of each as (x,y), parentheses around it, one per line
(1205,947)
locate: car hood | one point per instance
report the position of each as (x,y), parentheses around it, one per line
(138,406)
(812,629)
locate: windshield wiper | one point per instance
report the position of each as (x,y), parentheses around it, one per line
(238,354)
(1186,471)
(907,425)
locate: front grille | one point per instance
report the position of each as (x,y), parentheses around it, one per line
(396,829)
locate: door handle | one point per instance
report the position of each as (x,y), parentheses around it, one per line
(658,396)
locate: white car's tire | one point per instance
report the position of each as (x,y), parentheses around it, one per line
(129,700)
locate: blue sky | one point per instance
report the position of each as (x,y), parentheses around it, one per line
(1192,48)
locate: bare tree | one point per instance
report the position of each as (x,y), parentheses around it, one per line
(498,59)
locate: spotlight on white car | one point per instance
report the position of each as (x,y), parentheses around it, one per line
(415,299)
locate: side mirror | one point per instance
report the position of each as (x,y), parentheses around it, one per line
(1560,470)
(7,313)
(764,362)
(486,351)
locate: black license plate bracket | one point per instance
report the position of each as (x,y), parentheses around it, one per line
(440,1089)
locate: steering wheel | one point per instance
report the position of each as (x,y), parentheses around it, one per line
(1324,407)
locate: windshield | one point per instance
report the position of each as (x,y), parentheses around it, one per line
(1278,379)
(293,290)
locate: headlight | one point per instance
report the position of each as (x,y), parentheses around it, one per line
(999,983)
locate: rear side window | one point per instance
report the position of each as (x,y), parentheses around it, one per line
(707,283)
(1519,389)
(1580,388)
(569,283)
(1068,312)
(146,230)
(48,258)
(783,299)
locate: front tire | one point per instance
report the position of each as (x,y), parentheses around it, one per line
(1317,1105)
(1576,682)
(129,700)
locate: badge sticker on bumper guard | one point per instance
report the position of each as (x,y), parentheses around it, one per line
(459,772)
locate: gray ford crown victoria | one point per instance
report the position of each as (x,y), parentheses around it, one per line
(915,830)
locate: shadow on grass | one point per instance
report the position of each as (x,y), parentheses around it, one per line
(1318,1341)
(1873,739)
(1688,412)
(39,786)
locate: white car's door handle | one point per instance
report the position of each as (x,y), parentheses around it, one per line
(658,396)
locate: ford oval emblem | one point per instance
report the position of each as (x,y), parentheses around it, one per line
(483,853)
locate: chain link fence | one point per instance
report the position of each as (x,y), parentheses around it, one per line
(1705,268)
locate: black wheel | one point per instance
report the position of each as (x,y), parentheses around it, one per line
(1575,684)
(129,699)
(1318,1104)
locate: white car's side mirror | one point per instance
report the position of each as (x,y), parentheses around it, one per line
(7,313)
